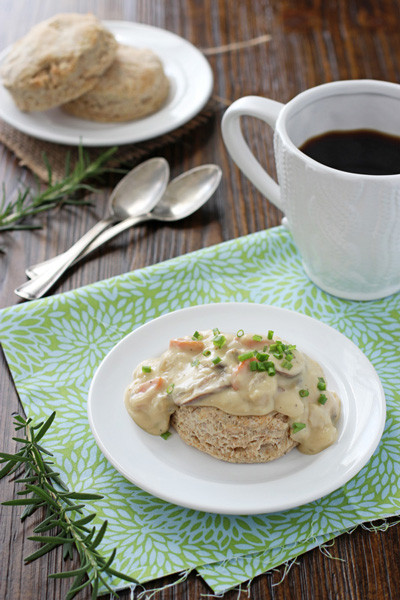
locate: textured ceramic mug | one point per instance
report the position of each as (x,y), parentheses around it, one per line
(345,225)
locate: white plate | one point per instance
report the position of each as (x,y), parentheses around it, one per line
(180,474)
(191,81)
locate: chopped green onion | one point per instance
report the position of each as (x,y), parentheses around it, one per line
(240,333)
(216,360)
(298,427)
(289,356)
(287,365)
(321,385)
(195,362)
(278,355)
(277,347)
(170,388)
(322,399)
(270,334)
(266,347)
(257,338)
(146,369)
(206,352)
(271,370)
(219,341)
(197,336)
(253,365)
(262,356)
(166,435)
(304,393)
(261,366)
(216,331)
(246,355)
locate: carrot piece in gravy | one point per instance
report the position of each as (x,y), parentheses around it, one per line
(240,370)
(155,383)
(187,345)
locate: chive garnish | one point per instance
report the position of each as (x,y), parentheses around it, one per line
(257,338)
(245,355)
(287,365)
(146,369)
(206,352)
(240,333)
(277,347)
(321,385)
(266,347)
(322,399)
(270,334)
(216,331)
(262,356)
(271,370)
(170,388)
(253,365)
(197,336)
(304,393)
(278,355)
(216,360)
(298,427)
(219,341)
(166,435)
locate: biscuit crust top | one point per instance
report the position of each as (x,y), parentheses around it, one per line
(66,53)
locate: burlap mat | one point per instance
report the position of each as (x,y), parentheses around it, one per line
(30,150)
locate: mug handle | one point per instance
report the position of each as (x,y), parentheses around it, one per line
(262,108)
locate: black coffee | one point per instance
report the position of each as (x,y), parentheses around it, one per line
(357,151)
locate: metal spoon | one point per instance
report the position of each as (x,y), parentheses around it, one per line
(183,196)
(136,193)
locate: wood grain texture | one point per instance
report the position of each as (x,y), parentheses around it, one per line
(312,42)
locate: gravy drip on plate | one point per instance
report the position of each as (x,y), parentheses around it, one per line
(223,371)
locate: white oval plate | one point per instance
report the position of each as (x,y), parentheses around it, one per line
(171,470)
(191,81)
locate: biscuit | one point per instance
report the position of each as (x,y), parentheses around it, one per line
(235,439)
(58,60)
(134,86)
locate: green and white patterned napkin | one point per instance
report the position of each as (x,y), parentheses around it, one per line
(53,347)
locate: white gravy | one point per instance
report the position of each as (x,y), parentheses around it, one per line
(189,373)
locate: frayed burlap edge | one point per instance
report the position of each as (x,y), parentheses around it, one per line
(31,151)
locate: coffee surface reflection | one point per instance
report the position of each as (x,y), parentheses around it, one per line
(363,151)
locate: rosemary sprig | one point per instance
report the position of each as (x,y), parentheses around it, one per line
(65,523)
(27,204)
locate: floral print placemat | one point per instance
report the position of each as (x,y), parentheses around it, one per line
(53,347)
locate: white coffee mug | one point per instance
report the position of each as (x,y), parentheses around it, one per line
(345,225)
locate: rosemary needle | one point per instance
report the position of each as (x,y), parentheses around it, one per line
(14,213)
(64,522)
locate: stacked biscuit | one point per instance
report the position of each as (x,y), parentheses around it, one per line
(73,61)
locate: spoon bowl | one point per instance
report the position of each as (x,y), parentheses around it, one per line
(187,193)
(139,190)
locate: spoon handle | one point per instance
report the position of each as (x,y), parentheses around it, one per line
(37,287)
(42,267)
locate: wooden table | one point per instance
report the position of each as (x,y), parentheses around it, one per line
(311,42)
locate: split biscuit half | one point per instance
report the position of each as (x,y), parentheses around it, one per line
(57,61)
(133,87)
(232,438)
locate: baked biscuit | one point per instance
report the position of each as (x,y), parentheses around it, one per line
(235,439)
(134,86)
(58,60)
